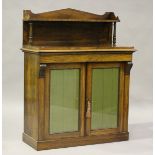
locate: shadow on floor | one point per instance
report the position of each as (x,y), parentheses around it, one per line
(141,131)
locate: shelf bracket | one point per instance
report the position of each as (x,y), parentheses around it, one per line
(128,67)
(42,70)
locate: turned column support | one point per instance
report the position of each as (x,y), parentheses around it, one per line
(114,34)
(30,33)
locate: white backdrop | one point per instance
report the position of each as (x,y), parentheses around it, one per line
(135,29)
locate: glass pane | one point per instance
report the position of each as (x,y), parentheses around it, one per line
(64,100)
(105,98)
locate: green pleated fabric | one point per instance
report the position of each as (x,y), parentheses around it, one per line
(105,98)
(64,100)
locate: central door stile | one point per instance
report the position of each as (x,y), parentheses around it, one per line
(82,99)
(88,99)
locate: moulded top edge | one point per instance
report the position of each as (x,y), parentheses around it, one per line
(69,15)
(77,49)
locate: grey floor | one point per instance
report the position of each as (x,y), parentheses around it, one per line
(140,128)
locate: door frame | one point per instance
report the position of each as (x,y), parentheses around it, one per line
(49,67)
(91,66)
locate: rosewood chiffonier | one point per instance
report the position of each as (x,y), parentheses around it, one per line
(76,80)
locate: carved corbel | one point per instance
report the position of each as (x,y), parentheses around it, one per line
(42,70)
(128,67)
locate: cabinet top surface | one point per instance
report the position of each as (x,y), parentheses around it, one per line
(58,49)
(69,15)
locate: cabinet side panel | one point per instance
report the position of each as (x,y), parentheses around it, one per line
(31,67)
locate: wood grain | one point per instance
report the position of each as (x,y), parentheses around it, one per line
(41,107)
(31,72)
(79,141)
(85,58)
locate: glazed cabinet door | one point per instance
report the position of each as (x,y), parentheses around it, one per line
(104,98)
(64,101)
